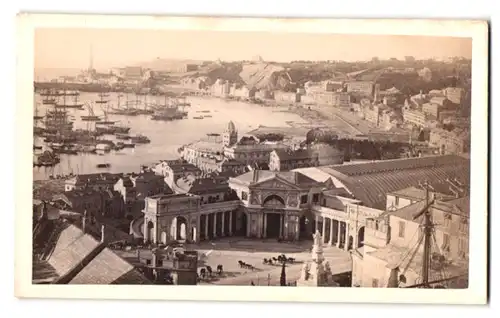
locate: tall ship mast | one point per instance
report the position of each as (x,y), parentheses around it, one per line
(168,112)
(433,266)
(76,103)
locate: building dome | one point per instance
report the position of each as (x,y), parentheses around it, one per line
(231,127)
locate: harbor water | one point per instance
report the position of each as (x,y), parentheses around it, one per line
(166,136)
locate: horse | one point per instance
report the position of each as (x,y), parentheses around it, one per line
(209,270)
(203,273)
(219,269)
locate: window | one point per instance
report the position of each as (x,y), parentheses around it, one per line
(446,241)
(303,199)
(396,201)
(244,196)
(374,282)
(462,246)
(316,197)
(401,232)
(447,220)
(464,224)
(324,202)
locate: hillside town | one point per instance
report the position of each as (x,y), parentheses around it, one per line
(377,176)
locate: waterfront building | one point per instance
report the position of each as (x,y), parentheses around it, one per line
(230,135)
(242,91)
(450,142)
(286,97)
(393,251)
(220,88)
(337,99)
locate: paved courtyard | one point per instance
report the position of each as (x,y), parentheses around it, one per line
(228,252)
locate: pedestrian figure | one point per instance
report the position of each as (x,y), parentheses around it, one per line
(251,283)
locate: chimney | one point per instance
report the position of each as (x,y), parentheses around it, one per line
(84,221)
(103,233)
(255,175)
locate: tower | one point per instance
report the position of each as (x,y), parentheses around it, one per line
(230,135)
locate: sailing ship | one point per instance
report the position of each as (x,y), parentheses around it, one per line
(126,111)
(76,103)
(91,116)
(102,99)
(168,112)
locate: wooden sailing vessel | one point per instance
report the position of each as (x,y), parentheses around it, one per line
(91,116)
(75,105)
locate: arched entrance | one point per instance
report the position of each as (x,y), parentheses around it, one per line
(274,202)
(150,233)
(273,225)
(361,236)
(163,238)
(178,229)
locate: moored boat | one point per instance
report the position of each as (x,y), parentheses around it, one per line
(140,139)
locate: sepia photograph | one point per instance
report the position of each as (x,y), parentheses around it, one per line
(212,156)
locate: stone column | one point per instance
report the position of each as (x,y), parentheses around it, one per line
(297,229)
(281,226)
(215,224)
(316,223)
(323,230)
(331,233)
(264,230)
(198,225)
(339,228)
(231,223)
(206,226)
(249,221)
(346,245)
(355,239)
(223,217)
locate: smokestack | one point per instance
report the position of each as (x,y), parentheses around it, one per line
(103,233)
(84,221)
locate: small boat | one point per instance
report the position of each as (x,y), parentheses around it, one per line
(103,165)
(128,145)
(140,139)
(198,117)
(207,116)
(48,101)
(90,118)
(103,147)
(122,136)
(107,122)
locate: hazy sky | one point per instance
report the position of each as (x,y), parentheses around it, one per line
(70,48)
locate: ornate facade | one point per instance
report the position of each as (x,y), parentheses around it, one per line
(276,204)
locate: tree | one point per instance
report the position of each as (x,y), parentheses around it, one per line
(283,275)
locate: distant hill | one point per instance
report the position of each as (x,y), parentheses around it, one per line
(160,64)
